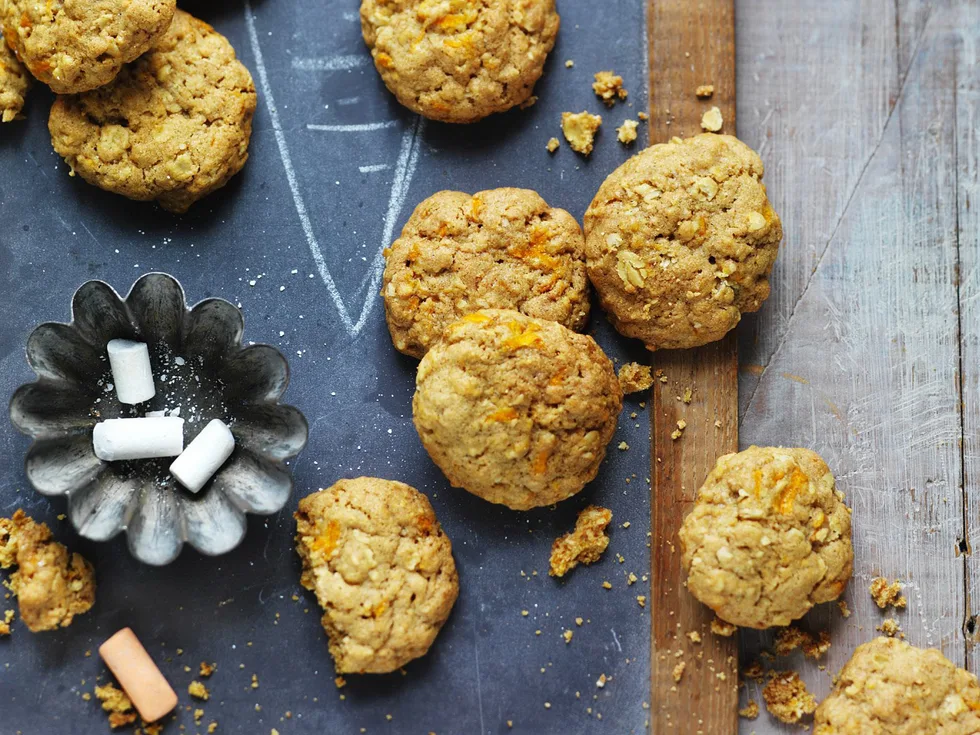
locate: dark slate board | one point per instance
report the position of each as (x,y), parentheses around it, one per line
(487,666)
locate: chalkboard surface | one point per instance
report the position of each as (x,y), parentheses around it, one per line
(336,167)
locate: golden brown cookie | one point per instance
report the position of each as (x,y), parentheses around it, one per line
(680,241)
(52,586)
(514,409)
(891,688)
(173,126)
(497,249)
(14,83)
(584,545)
(768,538)
(78,45)
(459,60)
(381,568)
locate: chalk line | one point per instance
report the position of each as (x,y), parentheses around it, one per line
(357,128)
(375,167)
(405,168)
(332,63)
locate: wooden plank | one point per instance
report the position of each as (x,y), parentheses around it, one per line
(866,369)
(692,42)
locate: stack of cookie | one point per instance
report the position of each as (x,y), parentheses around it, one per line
(152,102)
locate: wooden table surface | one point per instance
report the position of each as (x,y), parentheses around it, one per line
(866,115)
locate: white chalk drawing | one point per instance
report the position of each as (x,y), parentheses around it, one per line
(408,158)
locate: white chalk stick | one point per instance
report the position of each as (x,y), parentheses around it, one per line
(131,373)
(203,456)
(144,438)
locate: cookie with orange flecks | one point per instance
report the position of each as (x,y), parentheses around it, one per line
(516,410)
(381,568)
(498,249)
(769,537)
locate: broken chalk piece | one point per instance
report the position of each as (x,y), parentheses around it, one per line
(131,372)
(203,456)
(146,687)
(144,438)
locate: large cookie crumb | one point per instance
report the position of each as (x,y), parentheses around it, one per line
(626,133)
(51,585)
(579,129)
(885,593)
(584,545)
(634,377)
(787,698)
(608,87)
(117,704)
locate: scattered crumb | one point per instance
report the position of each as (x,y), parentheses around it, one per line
(584,544)
(198,690)
(885,594)
(622,446)
(608,87)
(790,638)
(569,64)
(634,377)
(720,627)
(579,129)
(694,636)
(607,585)
(601,681)
(750,711)
(212,727)
(787,697)
(340,682)
(626,133)
(567,635)
(52,586)
(553,145)
(643,116)
(117,704)
(688,395)
(712,120)
(679,431)
(206,669)
(845,611)
(255,681)
(705,90)
(890,627)
(8,616)
(198,716)
(678,671)
(641,600)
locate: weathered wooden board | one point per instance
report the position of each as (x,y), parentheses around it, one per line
(859,118)
(691,43)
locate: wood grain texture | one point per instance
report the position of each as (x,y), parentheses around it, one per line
(866,123)
(691,43)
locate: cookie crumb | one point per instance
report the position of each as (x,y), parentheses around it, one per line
(787,698)
(705,90)
(584,545)
(641,600)
(197,690)
(579,129)
(608,87)
(607,585)
(694,636)
(634,377)
(749,711)
(679,431)
(205,669)
(553,145)
(720,627)
(885,594)
(643,115)
(117,704)
(567,635)
(890,627)
(845,611)
(569,63)
(626,133)
(712,120)
(8,616)
(678,671)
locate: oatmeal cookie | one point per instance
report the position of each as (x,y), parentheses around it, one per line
(52,586)
(77,45)
(497,249)
(680,241)
(516,410)
(769,537)
(459,60)
(892,688)
(381,568)
(14,83)
(172,127)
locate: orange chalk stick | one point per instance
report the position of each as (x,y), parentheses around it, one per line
(149,691)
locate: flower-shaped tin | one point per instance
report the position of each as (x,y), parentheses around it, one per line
(202,372)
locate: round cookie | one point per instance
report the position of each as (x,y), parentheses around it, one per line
(680,241)
(382,570)
(768,538)
(173,126)
(516,410)
(77,45)
(497,249)
(14,83)
(459,60)
(892,688)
